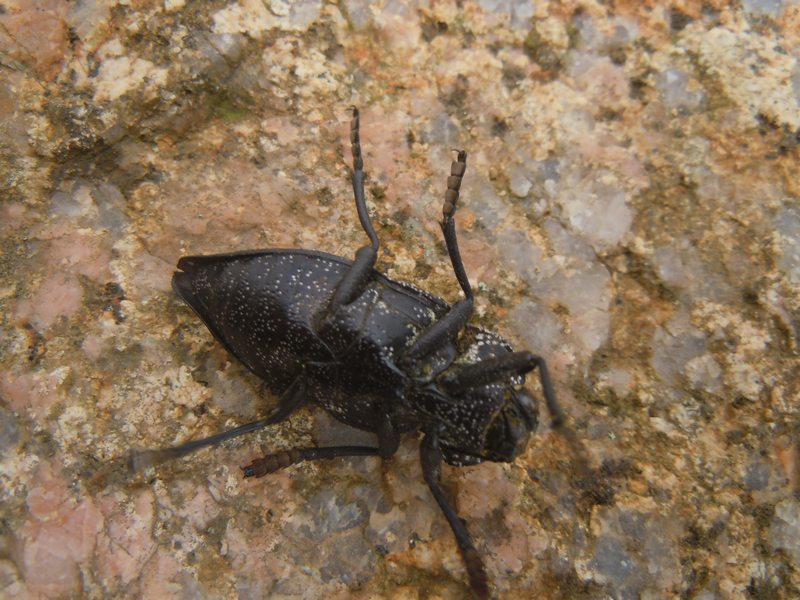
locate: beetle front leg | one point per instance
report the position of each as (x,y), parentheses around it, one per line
(499,368)
(357,277)
(431,459)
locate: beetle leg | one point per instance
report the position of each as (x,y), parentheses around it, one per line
(499,368)
(448,326)
(431,459)
(457,169)
(291,399)
(388,438)
(269,463)
(441,331)
(358,180)
(388,441)
(356,278)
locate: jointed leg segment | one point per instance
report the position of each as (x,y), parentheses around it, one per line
(500,368)
(291,399)
(358,275)
(269,463)
(454,321)
(431,459)
(388,441)
(457,170)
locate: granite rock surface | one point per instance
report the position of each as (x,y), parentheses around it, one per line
(631,211)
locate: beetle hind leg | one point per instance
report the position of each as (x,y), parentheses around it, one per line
(451,196)
(291,399)
(388,441)
(358,275)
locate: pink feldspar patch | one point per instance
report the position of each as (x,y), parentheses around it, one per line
(60,295)
(59,534)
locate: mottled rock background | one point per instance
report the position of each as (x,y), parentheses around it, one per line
(630,211)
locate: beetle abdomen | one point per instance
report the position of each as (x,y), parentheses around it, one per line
(261,306)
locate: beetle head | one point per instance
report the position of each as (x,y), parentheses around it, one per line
(508,432)
(490,422)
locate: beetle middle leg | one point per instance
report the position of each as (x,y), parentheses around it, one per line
(269,463)
(454,321)
(356,278)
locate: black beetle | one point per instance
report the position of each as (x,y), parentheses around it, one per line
(378,354)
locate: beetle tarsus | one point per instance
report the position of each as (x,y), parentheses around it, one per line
(269,463)
(478,579)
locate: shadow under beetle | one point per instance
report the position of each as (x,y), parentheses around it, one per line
(378,354)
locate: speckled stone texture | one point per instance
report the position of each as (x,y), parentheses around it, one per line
(631,211)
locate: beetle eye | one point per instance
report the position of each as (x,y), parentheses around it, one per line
(529,410)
